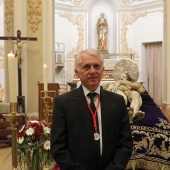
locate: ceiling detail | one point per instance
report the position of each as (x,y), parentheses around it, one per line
(123,5)
(73,2)
(76,1)
(137,1)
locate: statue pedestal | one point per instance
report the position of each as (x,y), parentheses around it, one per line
(104,53)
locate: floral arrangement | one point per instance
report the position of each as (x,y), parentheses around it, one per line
(34,146)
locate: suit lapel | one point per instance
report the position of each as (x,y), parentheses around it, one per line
(105,116)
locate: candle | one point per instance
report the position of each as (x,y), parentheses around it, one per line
(12,69)
(45,76)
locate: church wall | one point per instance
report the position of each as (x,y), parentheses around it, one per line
(65,31)
(77,30)
(145,29)
(126,33)
(2,78)
(81,32)
(37,24)
(41,51)
(69,30)
(34,61)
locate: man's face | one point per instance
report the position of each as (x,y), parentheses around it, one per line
(90,71)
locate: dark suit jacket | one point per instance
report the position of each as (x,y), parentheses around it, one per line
(72,141)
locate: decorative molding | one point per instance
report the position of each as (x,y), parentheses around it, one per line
(109,65)
(1,51)
(1,63)
(34,13)
(1,57)
(75,2)
(128,1)
(78,2)
(122,5)
(78,20)
(8,14)
(125,21)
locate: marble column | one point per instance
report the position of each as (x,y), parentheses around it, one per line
(166,60)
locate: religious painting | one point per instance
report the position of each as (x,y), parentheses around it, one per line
(59,52)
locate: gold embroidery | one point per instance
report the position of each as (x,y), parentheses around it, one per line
(151,148)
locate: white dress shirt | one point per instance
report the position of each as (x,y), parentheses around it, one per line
(96,98)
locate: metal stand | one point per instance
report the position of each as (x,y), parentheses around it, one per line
(14,117)
(21,104)
(47,109)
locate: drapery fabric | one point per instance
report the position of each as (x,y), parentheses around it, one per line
(154,65)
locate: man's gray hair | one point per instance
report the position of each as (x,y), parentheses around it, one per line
(95,52)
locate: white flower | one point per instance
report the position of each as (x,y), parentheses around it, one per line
(29,131)
(47,145)
(20,140)
(34,121)
(46,130)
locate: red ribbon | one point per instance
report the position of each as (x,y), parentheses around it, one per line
(94,117)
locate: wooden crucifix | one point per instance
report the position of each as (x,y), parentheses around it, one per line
(19,41)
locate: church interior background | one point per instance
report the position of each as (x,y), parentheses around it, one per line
(65,27)
(132,25)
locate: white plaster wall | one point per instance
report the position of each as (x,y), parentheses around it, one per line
(69,70)
(65,32)
(145,30)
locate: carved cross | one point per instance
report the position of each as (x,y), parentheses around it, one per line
(19,41)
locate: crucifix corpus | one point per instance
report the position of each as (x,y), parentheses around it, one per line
(19,41)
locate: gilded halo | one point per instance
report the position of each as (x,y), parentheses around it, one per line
(126,66)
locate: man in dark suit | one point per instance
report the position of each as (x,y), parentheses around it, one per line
(87,139)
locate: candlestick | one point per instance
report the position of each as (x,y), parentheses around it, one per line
(47,107)
(14,118)
(12,68)
(45,76)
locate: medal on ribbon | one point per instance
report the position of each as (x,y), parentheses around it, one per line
(94,117)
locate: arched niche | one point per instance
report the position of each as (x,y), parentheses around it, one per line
(93,13)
